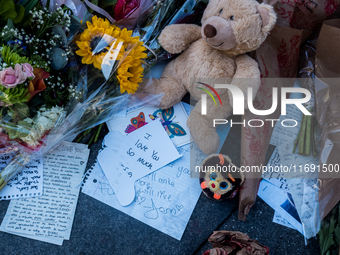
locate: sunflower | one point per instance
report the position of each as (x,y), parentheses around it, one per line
(101,41)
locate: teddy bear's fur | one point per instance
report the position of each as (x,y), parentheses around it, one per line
(230,28)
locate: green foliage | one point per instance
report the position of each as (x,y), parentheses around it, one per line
(10,10)
(28,5)
(329,234)
(108,3)
(17,95)
(9,56)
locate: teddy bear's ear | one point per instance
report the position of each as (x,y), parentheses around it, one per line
(268,17)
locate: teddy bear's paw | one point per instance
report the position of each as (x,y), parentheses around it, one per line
(205,137)
(170,41)
(177,37)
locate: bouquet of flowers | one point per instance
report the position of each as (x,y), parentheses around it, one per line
(48,94)
(36,81)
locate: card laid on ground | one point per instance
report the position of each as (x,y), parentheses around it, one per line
(174,121)
(126,159)
(27,183)
(282,202)
(164,200)
(49,218)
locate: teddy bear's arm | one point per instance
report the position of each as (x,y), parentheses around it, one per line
(247,75)
(176,38)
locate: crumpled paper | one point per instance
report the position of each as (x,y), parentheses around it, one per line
(234,242)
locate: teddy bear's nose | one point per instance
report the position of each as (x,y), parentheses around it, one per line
(210,31)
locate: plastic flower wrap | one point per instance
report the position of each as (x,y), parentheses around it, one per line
(102,42)
(162,14)
(35,83)
(50,95)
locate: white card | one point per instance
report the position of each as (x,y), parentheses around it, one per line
(173,119)
(165,199)
(140,153)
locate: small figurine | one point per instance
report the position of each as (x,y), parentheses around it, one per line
(220,179)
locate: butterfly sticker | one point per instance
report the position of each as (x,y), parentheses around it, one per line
(173,129)
(136,123)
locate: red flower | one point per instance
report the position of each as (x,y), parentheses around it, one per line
(124,8)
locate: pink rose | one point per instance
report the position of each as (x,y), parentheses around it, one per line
(20,75)
(10,77)
(7,78)
(28,69)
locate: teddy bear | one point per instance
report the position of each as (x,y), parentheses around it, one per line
(211,52)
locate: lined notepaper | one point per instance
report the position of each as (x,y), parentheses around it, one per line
(49,218)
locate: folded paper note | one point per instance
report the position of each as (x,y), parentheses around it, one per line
(27,183)
(126,159)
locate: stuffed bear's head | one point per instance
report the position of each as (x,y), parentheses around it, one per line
(237,26)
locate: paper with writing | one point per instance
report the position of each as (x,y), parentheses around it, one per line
(164,200)
(27,183)
(284,134)
(140,153)
(275,177)
(303,185)
(51,215)
(282,221)
(280,201)
(174,122)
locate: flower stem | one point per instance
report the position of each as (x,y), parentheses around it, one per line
(302,136)
(298,136)
(308,135)
(98,132)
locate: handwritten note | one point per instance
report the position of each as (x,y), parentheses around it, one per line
(303,185)
(50,217)
(129,158)
(282,221)
(164,200)
(277,178)
(27,183)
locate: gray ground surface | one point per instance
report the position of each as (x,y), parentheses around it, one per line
(100,229)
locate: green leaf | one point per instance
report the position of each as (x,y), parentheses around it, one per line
(48,4)
(20,13)
(106,3)
(24,2)
(10,14)
(10,24)
(337,233)
(30,5)
(5,6)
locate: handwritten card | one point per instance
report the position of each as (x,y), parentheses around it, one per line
(27,183)
(164,200)
(49,217)
(139,154)
(174,121)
